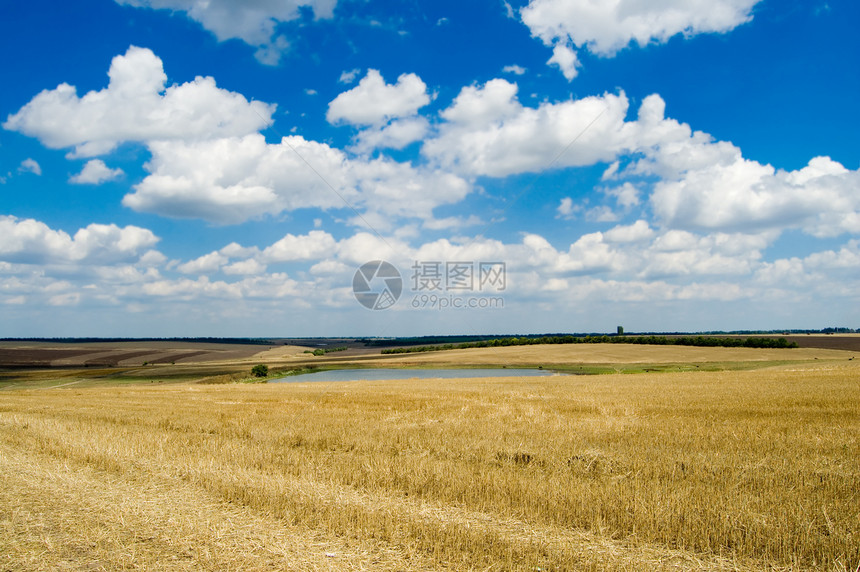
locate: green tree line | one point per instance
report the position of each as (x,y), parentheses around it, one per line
(703,341)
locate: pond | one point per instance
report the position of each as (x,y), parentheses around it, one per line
(385,374)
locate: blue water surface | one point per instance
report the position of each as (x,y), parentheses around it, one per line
(386,374)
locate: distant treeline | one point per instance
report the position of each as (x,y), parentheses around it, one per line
(447,340)
(704,341)
(456,340)
(252,341)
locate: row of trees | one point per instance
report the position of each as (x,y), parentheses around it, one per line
(705,341)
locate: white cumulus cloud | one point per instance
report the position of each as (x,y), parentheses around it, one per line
(566,209)
(95,172)
(28,241)
(689,180)
(205,264)
(245,267)
(373,101)
(635,232)
(821,198)
(348,76)
(566,60)
(30,166)
(235,179)
(395,135)
(487,131)
(604,28)
(232,180)
(514,69)
(252,21)
(317,244)
(136,106)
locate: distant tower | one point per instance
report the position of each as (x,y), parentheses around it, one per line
(620,330)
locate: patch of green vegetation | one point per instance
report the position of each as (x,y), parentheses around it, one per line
(260,370)
(323,351)
(584,369)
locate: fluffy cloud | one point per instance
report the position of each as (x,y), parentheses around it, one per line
(253,22)
(821,199)
(623,252)
(218,260)
(231,180)
(480,106)
(396,135)
(514,69)
(627,263)
(95,172)
(828,273)
(566,209)
(635,232)
(270,54)
(566,60)
(205,264)
(245,268)
(591,254)
(679,253)
(136,107)
(604,28)
(363,246)
(708,185)
(452,222)
(348,76)
(847,258)
(387,112)
(316,244)
(487,131)
(374,102)
(398,190)
(30,166)
(693,181)
(185,289)
(28,241)
(627,195)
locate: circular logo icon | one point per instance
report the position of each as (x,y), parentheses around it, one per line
(377,285)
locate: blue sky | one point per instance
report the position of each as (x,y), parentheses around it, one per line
(190,168)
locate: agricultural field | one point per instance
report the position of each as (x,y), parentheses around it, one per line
(128,353)
(704,459)
(53,364)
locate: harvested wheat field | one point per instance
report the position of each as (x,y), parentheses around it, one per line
(725,470)
(565,354)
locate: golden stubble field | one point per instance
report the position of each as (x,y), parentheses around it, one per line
(727,470)
(566,354)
